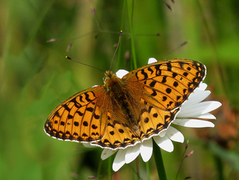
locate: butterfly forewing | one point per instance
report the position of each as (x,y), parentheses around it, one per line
(79,118)
(167,84)
(126,111)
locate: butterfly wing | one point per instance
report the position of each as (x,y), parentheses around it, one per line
(79,118)
(153,94)
(162,87)
(90,116)
(167,83)
(117,134)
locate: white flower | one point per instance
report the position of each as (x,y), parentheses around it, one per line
(191,115)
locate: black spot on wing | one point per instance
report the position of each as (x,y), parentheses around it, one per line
(158,70)
(90,109)
(85,123)
(175,84)
(66,107)
(76,123)
(174,74)
(87,97)
(121,131)
(150,108)
(185,74)
(76,103)
(143,111)
(149,68)
(94,126)
(152,84)
(164,79)
(169,66)
(154,93)
(69,116)
(145,74)
(80,113)
(164,98)
(146,120)
(168,90)
(96,116)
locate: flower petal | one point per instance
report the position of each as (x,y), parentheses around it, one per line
(88,145)
(162,133)
(119,160)
(164,143)
(194,123)
(121,72)
(199,108)
(131,153)
(205,116)
(152,60)
(202,86)
(175,135)
(107,153)
(197,97)
(146,150)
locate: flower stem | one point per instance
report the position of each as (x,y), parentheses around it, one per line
(137,167)
(219,166)
(109,167)
(159,162)
(148,170)
(99,170)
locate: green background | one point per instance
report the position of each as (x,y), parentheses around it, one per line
(35,77)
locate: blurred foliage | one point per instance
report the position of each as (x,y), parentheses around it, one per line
(35,77)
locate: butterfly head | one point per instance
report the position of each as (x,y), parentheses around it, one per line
(110,79)
(108,75)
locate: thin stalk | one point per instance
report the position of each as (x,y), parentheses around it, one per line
(148,170)
(130,6)
(159,162)
(219,166)
(109,167)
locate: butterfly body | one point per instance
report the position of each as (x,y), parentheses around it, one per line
(124,105)
(126,111)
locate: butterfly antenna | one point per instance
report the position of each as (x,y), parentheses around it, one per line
(178,47)
(67,57)
(117,46)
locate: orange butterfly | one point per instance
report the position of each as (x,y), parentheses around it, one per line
(126,111)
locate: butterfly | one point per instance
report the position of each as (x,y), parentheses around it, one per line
(128,110)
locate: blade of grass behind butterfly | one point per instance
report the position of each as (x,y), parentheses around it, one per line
(157,151)
(110,160)
(121,28)
(130,10)
(130,6)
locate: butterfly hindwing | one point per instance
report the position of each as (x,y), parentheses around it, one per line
(117,135)
(153,119)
